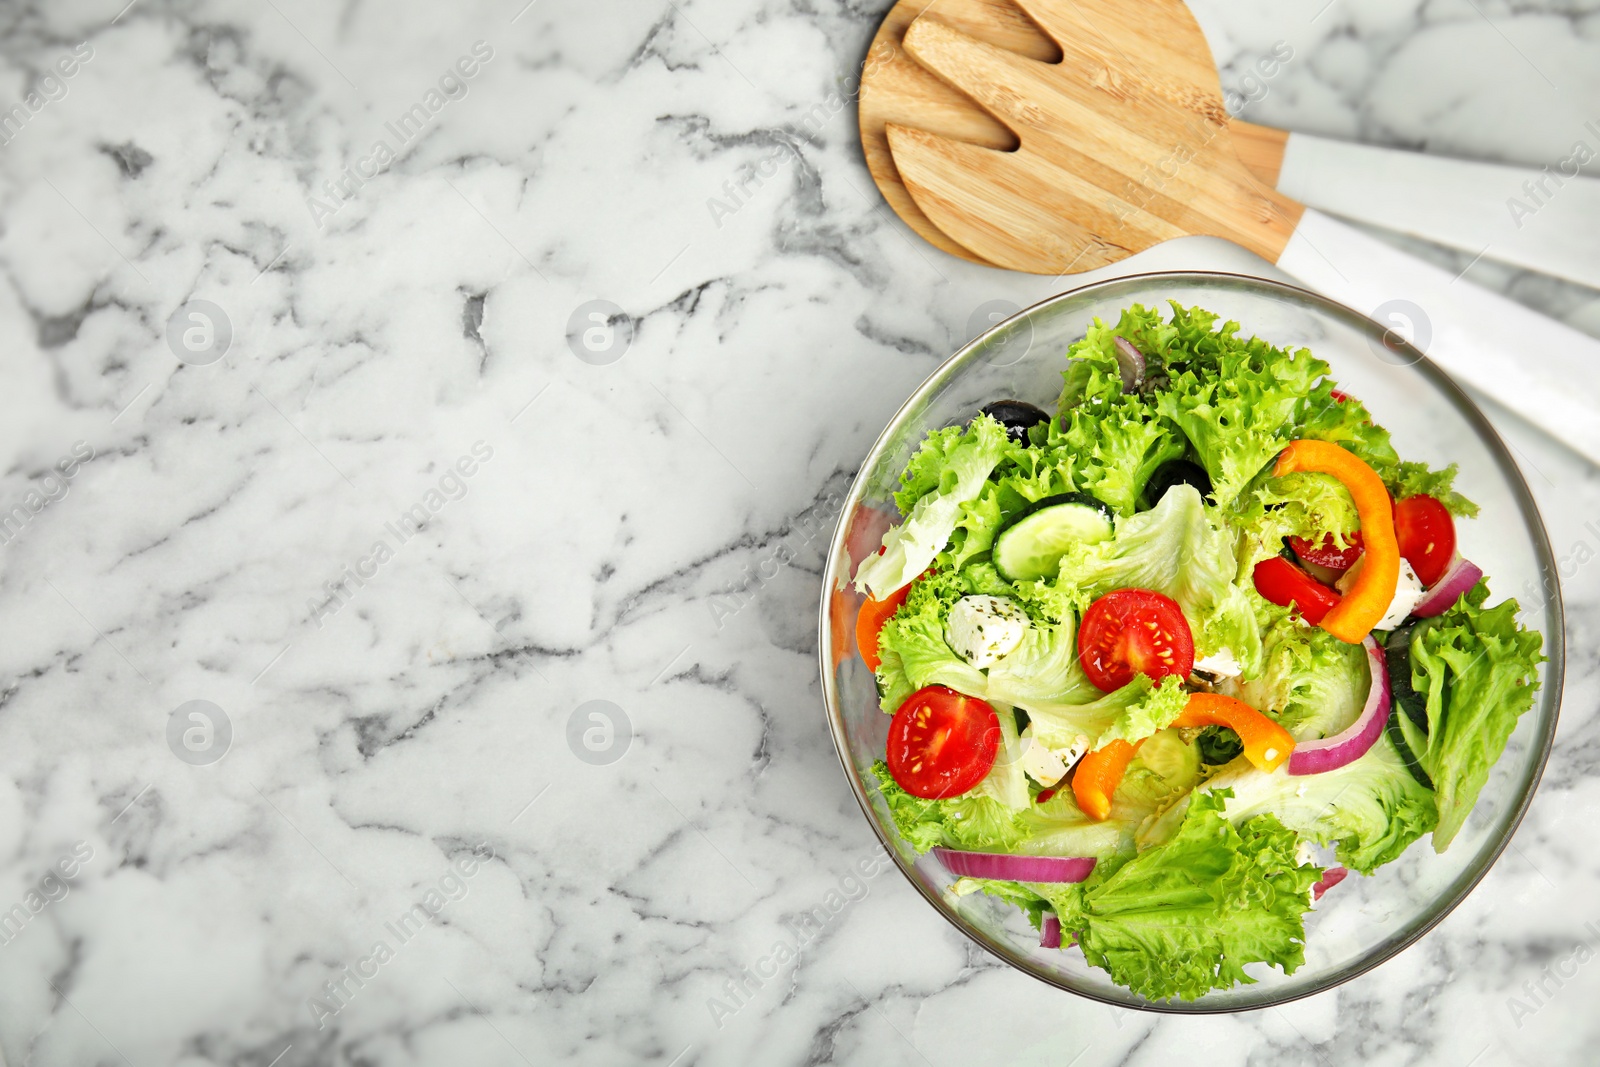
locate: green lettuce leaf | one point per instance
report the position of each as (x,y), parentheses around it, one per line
(1006,781)
(1372,807)
(1031,903)
(1118,447)
(1304,504)
(1231,623)
(1043,669)
(977,523)
(1235,399)
(1178,548)
(1478,670)
(1348,423)
(981,577)
(1312,682)
(1185,917)
(912,645)
(1118,439)
(973,821)
(1028,475)
(1418,479)
(1135,711)
(893,685)
(949,470)
(1174,548)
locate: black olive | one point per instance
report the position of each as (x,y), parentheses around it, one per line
(1176,472)
(1015,416)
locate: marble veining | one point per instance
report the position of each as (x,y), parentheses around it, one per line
(422,424)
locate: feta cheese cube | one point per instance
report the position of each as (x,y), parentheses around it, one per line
(1220,664)
(981,629)
(1048,766)
(1407,591)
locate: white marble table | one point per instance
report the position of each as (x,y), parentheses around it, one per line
(398,532)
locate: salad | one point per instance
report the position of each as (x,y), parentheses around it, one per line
(1157,661)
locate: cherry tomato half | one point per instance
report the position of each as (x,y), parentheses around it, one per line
(1326,554)
(1134,631)
(941,742)
(1282,583)
(1427,536)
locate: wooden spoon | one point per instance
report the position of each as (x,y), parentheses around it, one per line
(896,89)
(1125,144)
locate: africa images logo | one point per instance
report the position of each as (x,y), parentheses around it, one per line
(407,129)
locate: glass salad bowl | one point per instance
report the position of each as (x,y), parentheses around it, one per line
(1362,921)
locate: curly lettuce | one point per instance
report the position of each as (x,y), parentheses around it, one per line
(1304,504)
(1118,437)
(1478,671)
(1131,713)
(948,471)
(1345,421)
(1186,917)
(913,649)
(1235,399)
(1371,808)
(1006,782)
(974,821)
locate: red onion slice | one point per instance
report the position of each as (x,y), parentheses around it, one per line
(1007,868)
(1130,363)
(1351,743)
(1050,932)
(1330,878)
(1442,595)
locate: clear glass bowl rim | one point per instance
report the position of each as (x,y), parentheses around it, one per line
(1555,642)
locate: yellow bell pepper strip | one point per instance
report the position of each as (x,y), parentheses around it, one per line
(1367,601)
(1266,744)
(1098,774)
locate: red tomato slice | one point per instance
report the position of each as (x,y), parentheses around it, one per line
(1283,584)
(1134,631)
(941,742)
(1427,536)
(1326,554)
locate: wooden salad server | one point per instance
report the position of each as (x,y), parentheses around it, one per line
(1540,220)
(1126,143)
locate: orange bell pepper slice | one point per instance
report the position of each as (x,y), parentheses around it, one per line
(1367,601)
(838,626)
(1266,744)
(1098,774)
(870,620)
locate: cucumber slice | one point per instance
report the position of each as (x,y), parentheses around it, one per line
(1032,545)
(1396,729)
(1397,656)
